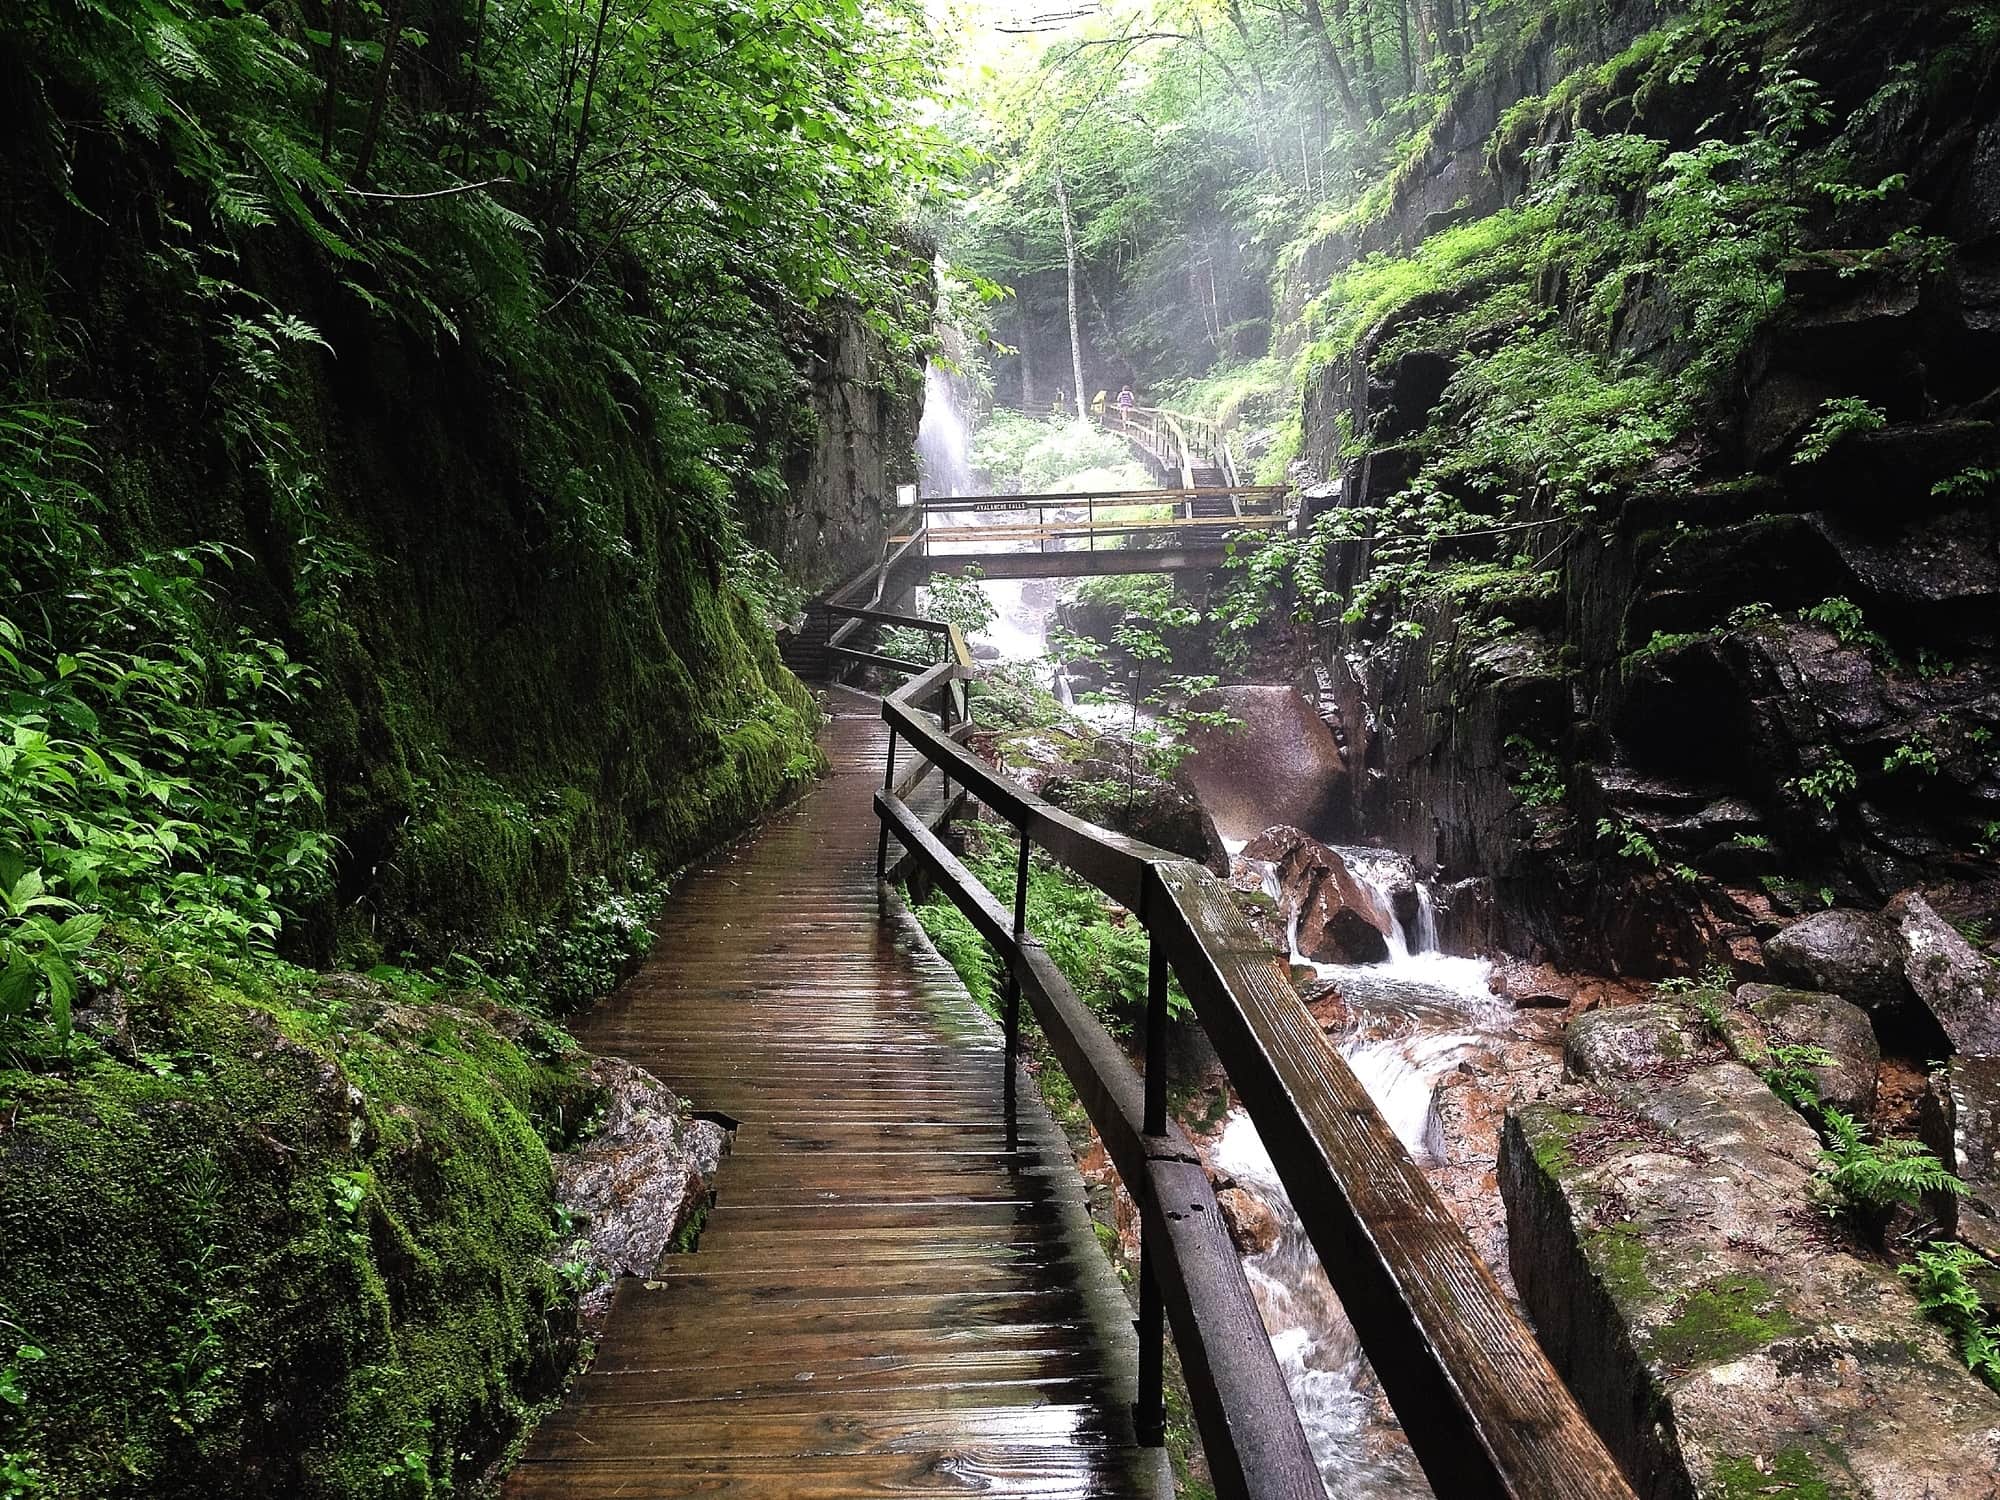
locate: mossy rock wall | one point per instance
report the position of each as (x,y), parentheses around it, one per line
(285,1235)
(506,707)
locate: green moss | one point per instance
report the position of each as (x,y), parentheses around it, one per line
(1618,1251)
(299,1233)
(1720,1320)
(1549,1133)
(1791,1472)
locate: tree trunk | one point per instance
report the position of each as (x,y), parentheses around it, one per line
(589,93)
(1069,257)
(392,39)
(1403,36)
(1266,116)
(1364,53)
(1329,58)
(336,23)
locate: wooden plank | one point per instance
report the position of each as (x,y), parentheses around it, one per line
(897,1289)
(1103,497)
(974,1470)
(874,659)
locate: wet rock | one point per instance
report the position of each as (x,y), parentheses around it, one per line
(1327,1004)
(1252,1223)
(1631,1041)
(639,1180)
(1853,954)
(105,1016)
(1953,981)
(1940,559)
(1340,920)
(1805,1018)
(1461,1142)
(1279,765)
(1533,986)
(1665,1245)
(1961,1123)
(1468,918)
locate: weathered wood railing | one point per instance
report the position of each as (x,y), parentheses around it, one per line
(1177,441)
(1484,1410)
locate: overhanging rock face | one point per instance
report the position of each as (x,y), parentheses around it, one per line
(1673,1263)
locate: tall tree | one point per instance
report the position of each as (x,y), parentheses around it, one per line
(1069,260)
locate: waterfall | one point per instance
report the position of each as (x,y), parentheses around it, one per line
(943,439)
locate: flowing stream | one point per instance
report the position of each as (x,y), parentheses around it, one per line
(1412,1018)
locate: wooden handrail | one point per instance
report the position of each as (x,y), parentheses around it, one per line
(1484,1410)
(993,502)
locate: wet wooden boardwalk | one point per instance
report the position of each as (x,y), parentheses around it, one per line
(895,1294)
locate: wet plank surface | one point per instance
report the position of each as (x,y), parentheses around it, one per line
(897,1292)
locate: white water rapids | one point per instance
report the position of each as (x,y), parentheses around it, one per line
(1412,1018)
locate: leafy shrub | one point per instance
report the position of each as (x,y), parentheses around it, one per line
(147,770)
(1839,417)
(1831,780)
(1632,840)
(1541,782)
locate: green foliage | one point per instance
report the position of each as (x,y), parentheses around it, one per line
(960,600)
(146,771)
(1541,781)
(1053,456)
(1664,643)
(1011,695)
(1788,1071)
(1831,780)
(1631,840)
(1939,1275)
(321,1221)
(1843,617)
(1871,1177)
(1100,949)
(1966,484)
(963,948)
(1912,755)
(1840,417)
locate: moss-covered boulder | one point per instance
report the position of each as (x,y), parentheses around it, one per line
(1726,1344)
(285,1235)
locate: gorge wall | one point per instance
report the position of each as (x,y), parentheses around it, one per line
(1751,669)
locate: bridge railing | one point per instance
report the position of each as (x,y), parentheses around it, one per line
(1100,518)
(1484,1411)
(1177,441)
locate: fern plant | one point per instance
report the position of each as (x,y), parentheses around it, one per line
(1871,1177)
(1940,1276)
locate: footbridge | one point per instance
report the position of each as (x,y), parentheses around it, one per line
(897,1292)
(1071,535)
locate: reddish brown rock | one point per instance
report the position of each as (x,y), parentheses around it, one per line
(1252,1223)
(1340,920)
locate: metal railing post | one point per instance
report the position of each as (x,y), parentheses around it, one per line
(888,786)
(1010,1013)
(1149,1411)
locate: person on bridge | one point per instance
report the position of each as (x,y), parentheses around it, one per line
(1125,401)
